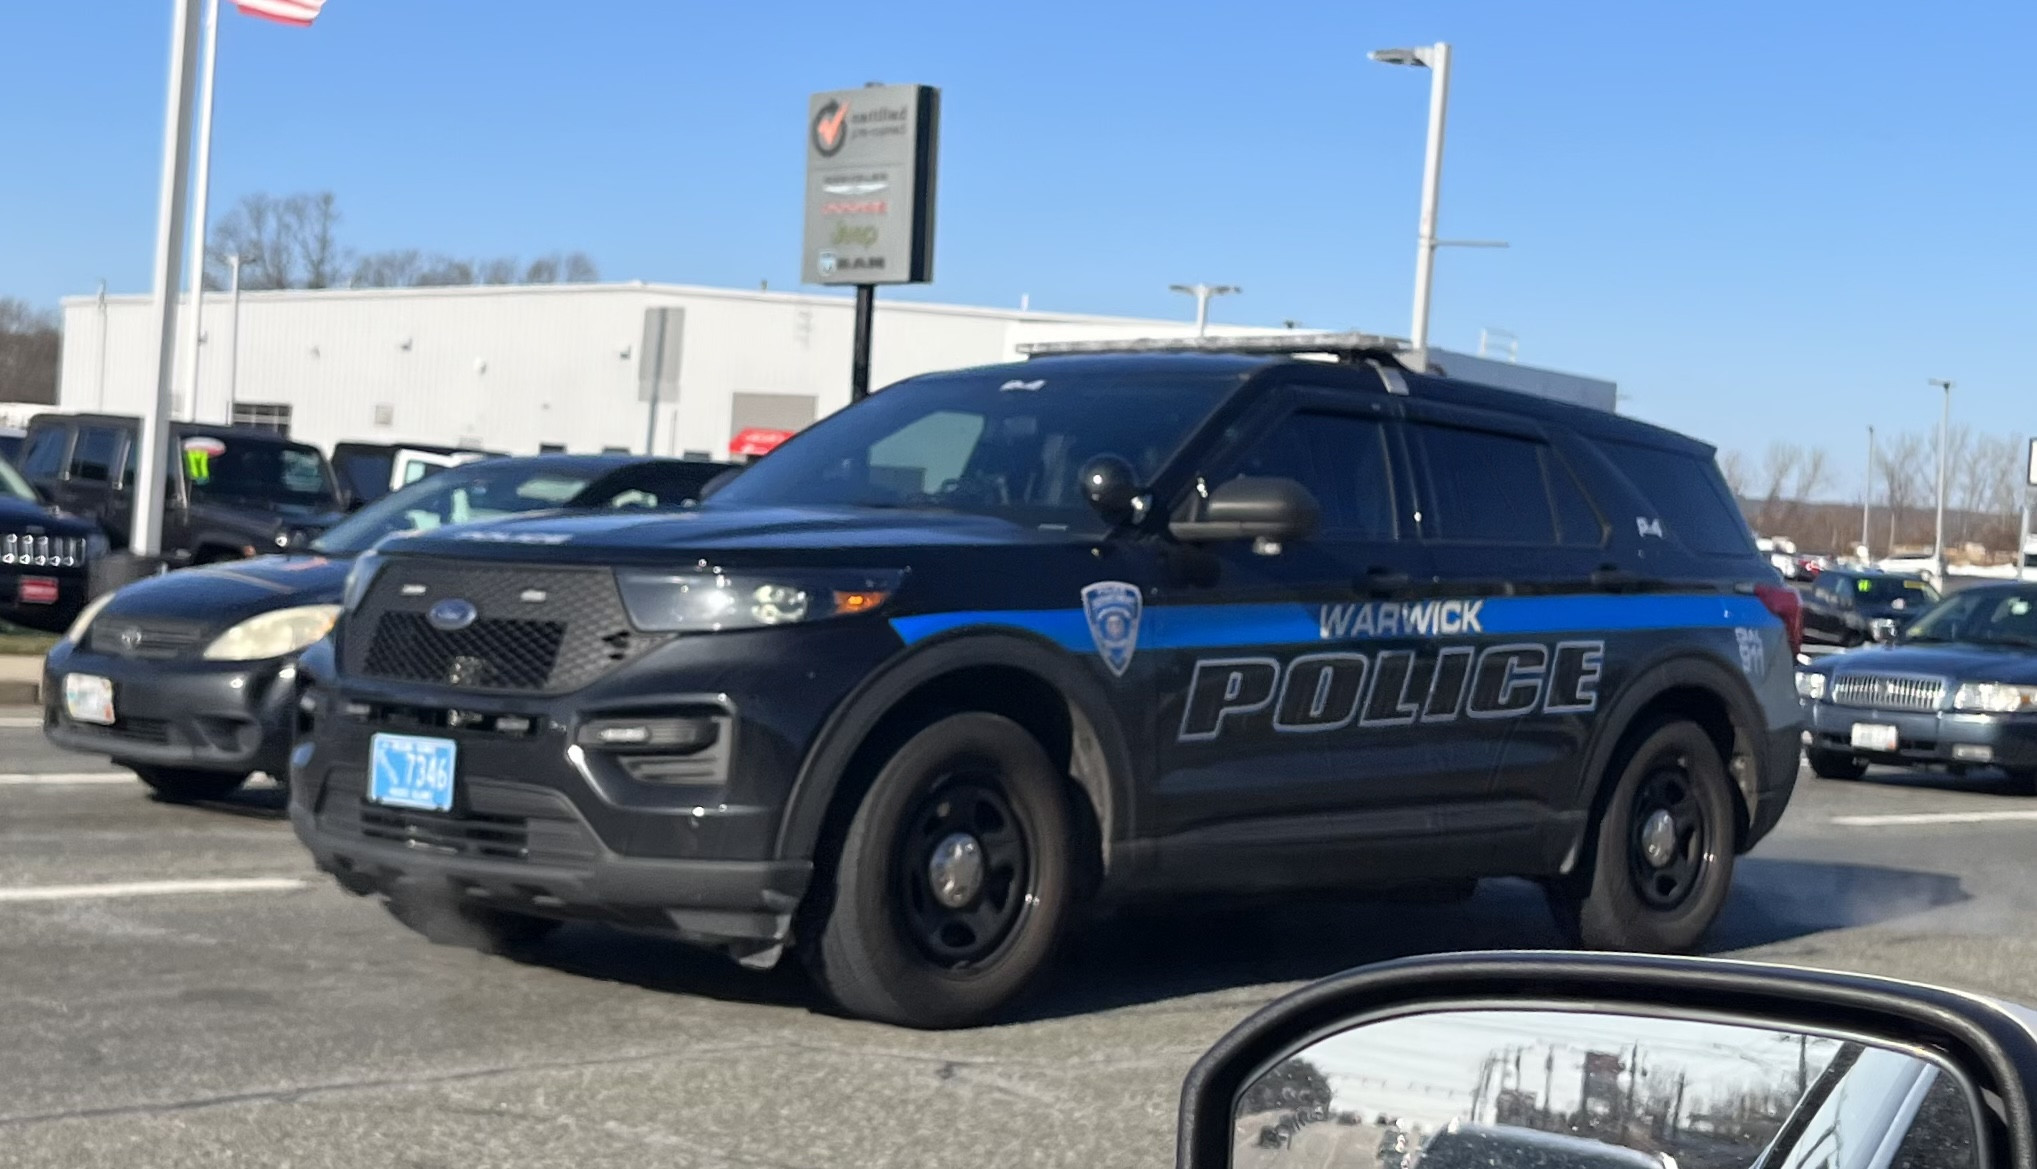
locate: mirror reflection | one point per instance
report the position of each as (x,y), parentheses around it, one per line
(1495,1089)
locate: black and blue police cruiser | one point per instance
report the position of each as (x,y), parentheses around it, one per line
(995,642)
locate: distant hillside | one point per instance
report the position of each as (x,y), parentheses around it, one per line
(1835,527)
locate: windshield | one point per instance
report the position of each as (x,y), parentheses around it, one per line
(265,474)
(13,486)
(1880,590)
(1982,616)
(986,442)
(470,494)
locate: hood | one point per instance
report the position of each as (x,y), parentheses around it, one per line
(223,594)
(265,521)
(17,514)
(1960,661)
(773,534)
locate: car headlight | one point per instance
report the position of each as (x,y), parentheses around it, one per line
(273,635)
(1994,698)
(83,621)
(359,577)
(703,602)
(1810,685)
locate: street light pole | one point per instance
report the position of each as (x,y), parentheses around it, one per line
(200,186)
(1202,294)
(1435,58)
(1867,497)
(1944,451)
(233,353)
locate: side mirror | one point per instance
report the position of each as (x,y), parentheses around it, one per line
(1112,488)
(1251,508)
(1883,630)
(1608,1061)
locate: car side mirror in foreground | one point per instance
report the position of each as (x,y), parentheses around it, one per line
(1883,629)
(1253,508)
(1614,1061)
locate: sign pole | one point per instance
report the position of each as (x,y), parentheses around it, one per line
(152,471)
(859,358)
(2023,535)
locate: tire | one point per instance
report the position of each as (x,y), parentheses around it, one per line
(889,948)
(1629,901)
(1834,764)
(184,785)
(445,922)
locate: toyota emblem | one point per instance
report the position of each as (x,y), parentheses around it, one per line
(130,639)
(451,615)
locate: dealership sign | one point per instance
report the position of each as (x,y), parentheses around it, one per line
(870,185)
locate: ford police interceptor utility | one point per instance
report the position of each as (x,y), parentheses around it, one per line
(993,642)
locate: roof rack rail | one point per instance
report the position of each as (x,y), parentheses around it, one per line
(1348,348)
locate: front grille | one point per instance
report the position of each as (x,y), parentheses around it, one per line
(148,640)
(26,551)
(536,630)
(1888,691)
(489,821)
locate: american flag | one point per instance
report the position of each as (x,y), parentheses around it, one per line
(298,12)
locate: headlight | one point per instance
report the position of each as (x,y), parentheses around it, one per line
(1811,686)
(359,577)
(1994,697)
(702,602)
(273,635)
(76,633)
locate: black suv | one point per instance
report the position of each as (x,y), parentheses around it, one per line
(1842,605)
(233,492)
(991,642)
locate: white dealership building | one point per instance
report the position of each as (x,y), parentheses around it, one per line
(531,367)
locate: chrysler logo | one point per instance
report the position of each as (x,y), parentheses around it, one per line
(451,615)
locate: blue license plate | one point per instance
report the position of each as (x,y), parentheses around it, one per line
(411,771)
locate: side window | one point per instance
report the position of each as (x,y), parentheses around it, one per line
(1485,487)
(1341,459)
(47,447)
(1941,1135)
(1689,496)
(1578,523)
(92,457)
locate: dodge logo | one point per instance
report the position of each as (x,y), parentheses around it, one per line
(451,615)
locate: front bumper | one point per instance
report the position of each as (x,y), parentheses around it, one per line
(210,716)
(1930,738)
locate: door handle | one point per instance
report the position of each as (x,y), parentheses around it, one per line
(1383,580)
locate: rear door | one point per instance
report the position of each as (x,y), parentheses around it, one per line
(45,455)
(90,480)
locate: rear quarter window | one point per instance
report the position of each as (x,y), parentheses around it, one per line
(1689,497)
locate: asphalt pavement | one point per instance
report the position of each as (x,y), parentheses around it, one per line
(183,989)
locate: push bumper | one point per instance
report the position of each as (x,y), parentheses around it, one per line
(210,716)
(1930,738)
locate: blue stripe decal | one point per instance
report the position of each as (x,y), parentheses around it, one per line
(1291,623)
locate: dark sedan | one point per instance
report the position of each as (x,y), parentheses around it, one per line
(1957,689)
(1843,605)
(45,558)
(190,678)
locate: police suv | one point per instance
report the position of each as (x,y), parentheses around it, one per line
(993,642)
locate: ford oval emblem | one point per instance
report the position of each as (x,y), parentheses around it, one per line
(452,615)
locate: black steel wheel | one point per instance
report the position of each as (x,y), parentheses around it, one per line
(1669,841)
(964,868)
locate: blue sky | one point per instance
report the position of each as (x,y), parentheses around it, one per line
(1766,221)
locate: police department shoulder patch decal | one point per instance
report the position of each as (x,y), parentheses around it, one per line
(1113,608)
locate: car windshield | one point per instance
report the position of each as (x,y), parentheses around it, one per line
(1880,590)
(12,485)
(470,494)
(1983,617)
(1004,442)
(253,472)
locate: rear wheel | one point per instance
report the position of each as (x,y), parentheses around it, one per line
(184,785)
(1834,764)
(1663,858)
(473,927)
(954,878)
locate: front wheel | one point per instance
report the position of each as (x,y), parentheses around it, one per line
(1834,764)
(1663,860)
(953,881)
(184,785)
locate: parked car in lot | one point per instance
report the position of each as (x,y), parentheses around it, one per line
(10,443)
(45,558)
(232,492)
(367,471)
(1842,605)
(913,685)
(188,678)
(1956,689)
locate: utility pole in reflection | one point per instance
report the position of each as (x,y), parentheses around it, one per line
(1549,1089)
(1803,1065)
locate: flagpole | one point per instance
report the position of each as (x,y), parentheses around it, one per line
(200,191)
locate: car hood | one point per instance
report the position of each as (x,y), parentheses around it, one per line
(219,595)
(772,534)
(1980,663)
(261,520)
(17,514)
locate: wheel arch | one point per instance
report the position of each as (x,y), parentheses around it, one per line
(1036,684)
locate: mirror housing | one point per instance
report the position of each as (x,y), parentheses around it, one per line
(1981,1038)
(1112,487)
(1253,508)
(1883,630)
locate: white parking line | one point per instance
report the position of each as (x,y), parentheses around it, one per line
(149,888)
(64,778)
(1905,818)
(20,724)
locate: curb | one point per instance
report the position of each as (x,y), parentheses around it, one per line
(20,694)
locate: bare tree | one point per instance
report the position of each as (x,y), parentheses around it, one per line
(393,269)
(440,271)
(31,349)
(498,271)
(1899,463)
(312,219)
(255,230)
(543,270)
(1733,465)
(580,269)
